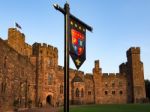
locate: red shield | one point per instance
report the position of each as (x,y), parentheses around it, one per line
(78,42)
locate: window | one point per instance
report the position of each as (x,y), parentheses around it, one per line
(89,92)
(61,89)
(106,92)
(113,92)
(82,93)
(106,84)
(113,84)
(120,83)
(120,92)
(77,92)
(1,87)
(50,79)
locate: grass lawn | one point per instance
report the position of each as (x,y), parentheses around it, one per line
(111,108)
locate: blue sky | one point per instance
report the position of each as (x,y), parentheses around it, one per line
(117,24)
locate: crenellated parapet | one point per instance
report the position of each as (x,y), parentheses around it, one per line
(13,33)
(113,75)
(88,76)
(133,50)
(97,69)
(16,40)
(123,68)
(43,49)
(60,68)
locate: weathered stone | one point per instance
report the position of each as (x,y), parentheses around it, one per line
(31,73)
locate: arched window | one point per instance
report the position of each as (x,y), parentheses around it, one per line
(106,92)
(82,93)
(77,92)
(106,84)
(120,92)
(50,78)
(61,89)
(89,93)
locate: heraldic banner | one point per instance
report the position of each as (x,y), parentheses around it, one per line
(77,43)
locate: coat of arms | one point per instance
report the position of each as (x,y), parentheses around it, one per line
(77,43)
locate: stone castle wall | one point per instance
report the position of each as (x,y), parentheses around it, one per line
(17,75)
(39,64)
(114,88)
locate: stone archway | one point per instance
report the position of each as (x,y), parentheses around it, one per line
(49,99)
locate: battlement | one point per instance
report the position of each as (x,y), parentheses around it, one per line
(105,74)
(97,68)
(88,76)
(60,68)
(112,75)
(16,33)
(122,68)
(27,45)
(44,45)
(36,44)
(80,72)
(38,47)
(122,65)
(16,40)
(97,63)
(133,50)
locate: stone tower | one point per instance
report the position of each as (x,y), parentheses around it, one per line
(16,40)
(135,75)
(97,76)
(45,59)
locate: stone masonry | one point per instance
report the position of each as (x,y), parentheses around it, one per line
(31,73)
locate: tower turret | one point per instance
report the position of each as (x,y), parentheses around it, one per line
(16,40)
(97,69)
(97,77)
(135,74)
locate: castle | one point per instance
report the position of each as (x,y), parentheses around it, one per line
(31,73)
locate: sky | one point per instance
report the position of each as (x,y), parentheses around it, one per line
(117,26)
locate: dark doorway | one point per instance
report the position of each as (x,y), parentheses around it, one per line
(49,100)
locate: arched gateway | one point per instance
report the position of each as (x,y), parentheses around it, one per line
(49,99)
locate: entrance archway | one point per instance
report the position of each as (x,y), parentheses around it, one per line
(49,99)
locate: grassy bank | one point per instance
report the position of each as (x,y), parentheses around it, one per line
(111,108)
